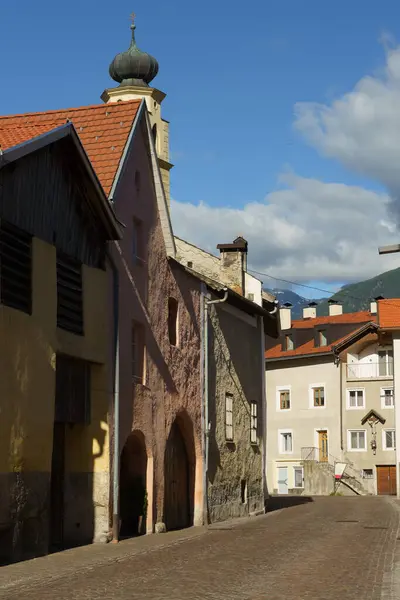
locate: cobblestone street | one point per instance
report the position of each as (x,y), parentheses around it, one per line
(333,548)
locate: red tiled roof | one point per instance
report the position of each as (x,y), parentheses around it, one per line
(389,313)
(103,130)
(308,347)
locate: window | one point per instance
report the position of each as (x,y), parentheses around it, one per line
(387,398)
(389,439)
(385,361)
(137,242)
(357,440)
(284,399)
(138,354)
(285,442)
(253,423)
(173,321)
(322,341)
(289,342)
(69,294)
(298,477)
(318,396)
(243,491)
(154,132)
(15,268)
(137,181)
(229,417)
(367,473)
(355,399)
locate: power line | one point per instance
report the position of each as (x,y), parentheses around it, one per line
(311,287)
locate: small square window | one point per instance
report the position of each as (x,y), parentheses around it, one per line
(367,473)
(284,399)
(319,397)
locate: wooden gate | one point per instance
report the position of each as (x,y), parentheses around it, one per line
(386,480)
(177,490)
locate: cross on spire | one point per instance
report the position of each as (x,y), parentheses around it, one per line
(132,17)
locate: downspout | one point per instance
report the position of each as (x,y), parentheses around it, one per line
(340,366)
(207,303)
(263,412)
(116,420)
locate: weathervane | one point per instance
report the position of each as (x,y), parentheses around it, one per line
(132,17)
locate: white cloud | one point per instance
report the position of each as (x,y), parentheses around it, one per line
(309,230)
(312,230)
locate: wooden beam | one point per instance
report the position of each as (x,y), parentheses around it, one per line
(389,249)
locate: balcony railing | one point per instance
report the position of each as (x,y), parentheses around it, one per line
(369,370)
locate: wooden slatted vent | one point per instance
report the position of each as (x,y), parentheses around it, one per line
(69,294)
(15,268)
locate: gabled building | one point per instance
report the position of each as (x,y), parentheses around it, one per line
(55,364)
(311,396)
(157,330)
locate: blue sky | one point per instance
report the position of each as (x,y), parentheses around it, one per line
(232,71)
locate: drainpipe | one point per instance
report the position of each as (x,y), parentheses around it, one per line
(207,427)
(263,410)
(340,366)
(115,520)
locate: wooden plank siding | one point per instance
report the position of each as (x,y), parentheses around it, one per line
(45,194)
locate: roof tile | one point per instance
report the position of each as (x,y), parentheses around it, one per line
(103,130)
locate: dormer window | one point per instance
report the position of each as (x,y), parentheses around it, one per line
(322,341)
(289,345)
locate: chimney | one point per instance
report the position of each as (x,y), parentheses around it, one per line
(285,316)
(233,265)
(374,305)
(310,311)
(335,308)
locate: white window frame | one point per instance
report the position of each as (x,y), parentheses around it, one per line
(384,446)
(383,397)
(298,487)
(387,363)
(229,432)
(253,423)
(281,433)
(311,389)
(349,448)
(364,476)
(355,389)
(279,389)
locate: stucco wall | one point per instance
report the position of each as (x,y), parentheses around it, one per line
(235,367)
(302,419)
(172,384)
(27,392)
(352,420)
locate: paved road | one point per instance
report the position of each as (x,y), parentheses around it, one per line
(334,548)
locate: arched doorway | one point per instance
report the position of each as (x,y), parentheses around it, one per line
(133,496)
(179,474)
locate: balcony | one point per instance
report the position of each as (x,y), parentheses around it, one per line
(371,370)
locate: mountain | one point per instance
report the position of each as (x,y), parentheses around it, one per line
(296,300)
(354,296)
(357,296)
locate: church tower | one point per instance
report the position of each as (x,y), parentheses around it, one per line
(134,70)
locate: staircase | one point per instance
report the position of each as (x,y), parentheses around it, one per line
(319,475)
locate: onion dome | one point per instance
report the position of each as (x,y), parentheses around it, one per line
(133,67)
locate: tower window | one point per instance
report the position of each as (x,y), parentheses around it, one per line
(173,321)
(154,132)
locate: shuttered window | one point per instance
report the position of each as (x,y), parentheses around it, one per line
(69,294)
(15,268)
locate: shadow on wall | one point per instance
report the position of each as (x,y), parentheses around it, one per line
(277,502)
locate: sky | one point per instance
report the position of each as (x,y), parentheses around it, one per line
(284,117)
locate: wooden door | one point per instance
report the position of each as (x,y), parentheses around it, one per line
(323,445)
(177,501)
(57,488)
(386,480)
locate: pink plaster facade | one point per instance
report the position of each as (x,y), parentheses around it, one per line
(171,384)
